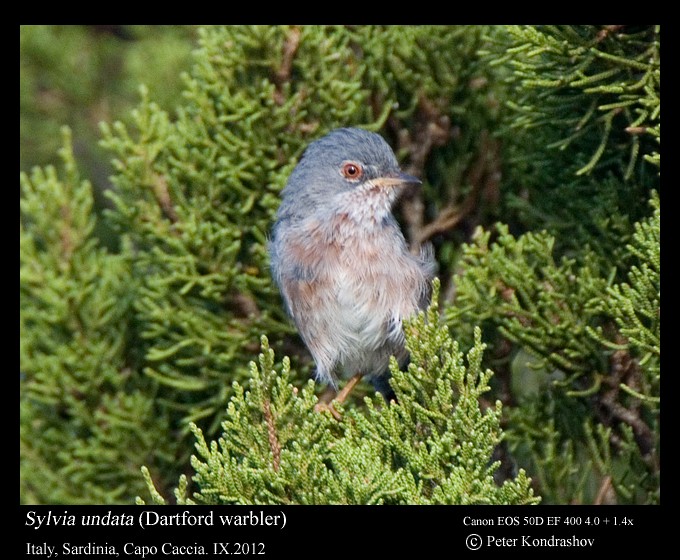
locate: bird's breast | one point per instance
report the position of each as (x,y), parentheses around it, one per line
(369,271)
(348,289)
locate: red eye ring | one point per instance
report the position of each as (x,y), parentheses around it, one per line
(351,170)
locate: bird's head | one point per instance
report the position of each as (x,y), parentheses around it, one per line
(350,171)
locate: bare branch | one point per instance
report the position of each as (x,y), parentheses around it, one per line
(274,445)
(282,74)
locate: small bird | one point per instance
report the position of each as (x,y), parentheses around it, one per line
(341,261)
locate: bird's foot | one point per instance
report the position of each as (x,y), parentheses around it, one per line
(340,397)
(320,407)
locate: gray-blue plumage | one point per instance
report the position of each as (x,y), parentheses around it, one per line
(340,260)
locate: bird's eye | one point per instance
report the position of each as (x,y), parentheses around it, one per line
(352,170)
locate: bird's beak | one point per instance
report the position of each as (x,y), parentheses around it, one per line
(409,179)
(397,179)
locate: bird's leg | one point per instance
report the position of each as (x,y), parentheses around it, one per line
(340,397)
(328,395)
(347,389)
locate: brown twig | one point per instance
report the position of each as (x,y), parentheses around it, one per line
(449,217)
(606,493)
(606,31)
(625,369)
(160,191)
(282,74)
(274,445)
(244,305)
(484,176)
(432,129)
(66,233)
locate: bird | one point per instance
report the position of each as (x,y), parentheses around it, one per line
(341,262)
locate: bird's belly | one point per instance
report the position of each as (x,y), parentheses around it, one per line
(368,319)
(348,292)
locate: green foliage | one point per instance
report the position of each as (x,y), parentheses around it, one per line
(197,195)
(614,69)
(568,293)
(80,75)
(589,464)
(582,128)
(86,418)
(636,304)
(433,446)
(135,343)
(516,285)
(586,341)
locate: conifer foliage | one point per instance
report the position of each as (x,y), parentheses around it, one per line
(534,374)
(434,445)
